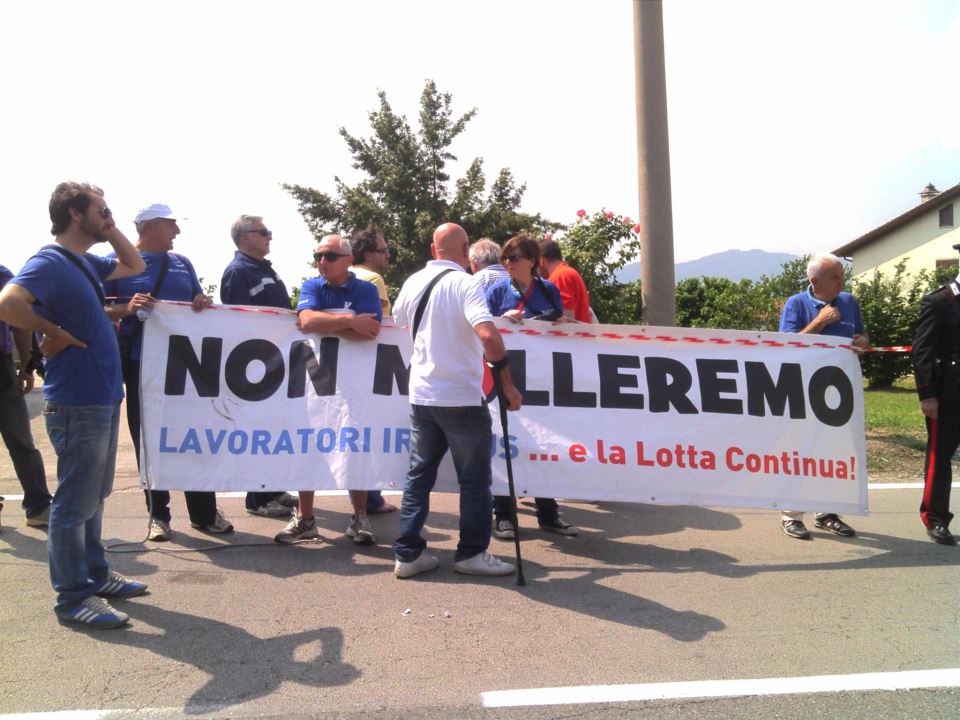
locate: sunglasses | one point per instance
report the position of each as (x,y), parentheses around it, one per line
(514,258)
(329,256)
(104,212)
(262,232)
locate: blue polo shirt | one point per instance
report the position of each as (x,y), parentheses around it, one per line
(88,376)
(544,298)
(800,310)
(355,295)
(180,283)
(247,281)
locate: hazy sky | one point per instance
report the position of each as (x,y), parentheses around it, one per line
(793,126)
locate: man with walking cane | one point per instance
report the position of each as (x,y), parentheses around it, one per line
(452,331)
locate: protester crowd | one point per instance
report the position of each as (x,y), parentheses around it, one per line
(90,312)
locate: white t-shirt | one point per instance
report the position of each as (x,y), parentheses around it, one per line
(446,368)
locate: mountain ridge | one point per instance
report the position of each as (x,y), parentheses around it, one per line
(734,265)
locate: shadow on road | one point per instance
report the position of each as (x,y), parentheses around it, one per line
(240,666)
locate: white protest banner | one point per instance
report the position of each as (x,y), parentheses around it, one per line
(235,399)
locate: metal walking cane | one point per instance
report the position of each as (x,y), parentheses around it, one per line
(502,401)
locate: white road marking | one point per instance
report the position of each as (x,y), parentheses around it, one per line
(593,694)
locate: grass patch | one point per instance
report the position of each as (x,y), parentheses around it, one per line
(896,435)
(892,410)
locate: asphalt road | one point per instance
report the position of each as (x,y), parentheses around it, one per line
(240,627)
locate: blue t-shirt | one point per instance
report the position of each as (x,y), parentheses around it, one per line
(800,310)
(247,281)
(75,376)
(358,296)
(543,298)
(180,283)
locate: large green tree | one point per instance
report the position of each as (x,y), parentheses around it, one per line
(406,189)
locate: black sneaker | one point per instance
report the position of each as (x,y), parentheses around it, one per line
(795,529)
(834,524)
(503,529)
(559,526)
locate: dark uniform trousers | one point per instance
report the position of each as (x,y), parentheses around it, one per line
(936,365)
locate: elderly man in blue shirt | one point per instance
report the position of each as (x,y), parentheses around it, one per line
(823,309)
(336,303)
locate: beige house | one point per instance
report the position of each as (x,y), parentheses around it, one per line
(924,236)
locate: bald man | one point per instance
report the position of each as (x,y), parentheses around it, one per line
(454,333)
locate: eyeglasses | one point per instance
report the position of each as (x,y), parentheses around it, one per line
(382,251)
(329,256)
(104,212)
(514,258)
(262,232)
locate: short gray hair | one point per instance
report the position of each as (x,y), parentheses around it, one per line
(242,224)
(342,242)
(815,266)
(484,252)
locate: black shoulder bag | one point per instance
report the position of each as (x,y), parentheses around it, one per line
(421,306)
(127,342)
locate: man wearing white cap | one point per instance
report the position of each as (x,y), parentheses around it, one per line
(169,276)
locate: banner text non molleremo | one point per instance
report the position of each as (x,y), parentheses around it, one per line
(238,400)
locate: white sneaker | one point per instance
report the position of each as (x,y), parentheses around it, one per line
(484,564)
(360,531)
(424,563)
(159,530)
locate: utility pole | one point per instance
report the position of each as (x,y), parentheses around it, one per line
(653,166)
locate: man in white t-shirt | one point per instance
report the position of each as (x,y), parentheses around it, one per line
(447,411)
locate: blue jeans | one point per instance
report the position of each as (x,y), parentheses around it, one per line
(85,440)
(467,432)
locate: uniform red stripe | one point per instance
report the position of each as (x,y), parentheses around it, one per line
(931,469)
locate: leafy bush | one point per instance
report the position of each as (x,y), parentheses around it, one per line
(597,246)
(890,307)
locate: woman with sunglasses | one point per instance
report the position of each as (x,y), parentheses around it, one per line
(526,295)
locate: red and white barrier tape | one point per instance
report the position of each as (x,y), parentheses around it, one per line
(609,335)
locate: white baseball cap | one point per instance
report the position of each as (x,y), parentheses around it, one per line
(153,212)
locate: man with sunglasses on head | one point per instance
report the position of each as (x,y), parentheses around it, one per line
(59,292)
(250,279)
(336,303)
(371,256)
(169,276)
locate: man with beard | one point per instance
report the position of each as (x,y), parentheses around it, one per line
(59,292)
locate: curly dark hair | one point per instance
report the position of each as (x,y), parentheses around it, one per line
(363,242)
(67,196)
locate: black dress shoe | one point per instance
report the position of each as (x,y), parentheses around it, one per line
(940,534)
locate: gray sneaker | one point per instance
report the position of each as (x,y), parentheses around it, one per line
(297,529)
(159,531)
(40,520)
(219,526)
(288,500)
(360,531)
(271,509)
